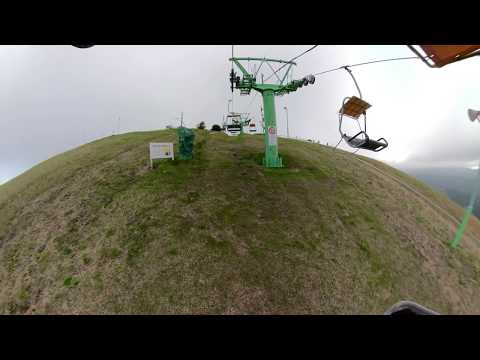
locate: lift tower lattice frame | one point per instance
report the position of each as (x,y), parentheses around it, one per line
(249,81)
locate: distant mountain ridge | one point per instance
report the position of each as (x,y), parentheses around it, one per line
(456,183)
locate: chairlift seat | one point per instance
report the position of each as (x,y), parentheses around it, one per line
(365,142)
(375,145)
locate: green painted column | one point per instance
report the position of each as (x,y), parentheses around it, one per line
(271,159)
(462,227)
(467,214)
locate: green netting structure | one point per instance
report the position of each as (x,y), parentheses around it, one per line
(186,138)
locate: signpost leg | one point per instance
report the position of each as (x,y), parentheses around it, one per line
(271,159)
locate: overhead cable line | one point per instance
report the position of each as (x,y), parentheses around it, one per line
(368,62)
(295,58)
(280,68)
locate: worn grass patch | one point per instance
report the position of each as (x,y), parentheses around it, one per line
(94,230)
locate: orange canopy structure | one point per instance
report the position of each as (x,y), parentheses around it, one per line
(441,55)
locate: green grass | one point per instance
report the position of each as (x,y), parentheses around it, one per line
(94,230)
(70,282)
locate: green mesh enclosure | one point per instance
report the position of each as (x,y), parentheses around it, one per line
(185,141)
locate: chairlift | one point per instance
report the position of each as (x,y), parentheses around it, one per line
(234,123)
(437,56)
(233,129)
(353,107)
(409,308)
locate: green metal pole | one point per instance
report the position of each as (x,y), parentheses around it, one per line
(468,213)
(461,228)
(271,159)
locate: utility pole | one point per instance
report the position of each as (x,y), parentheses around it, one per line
(181,120)
(232,69)
(286,111)
(468,212)
(472,114)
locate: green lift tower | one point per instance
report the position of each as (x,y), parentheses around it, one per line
(268,90)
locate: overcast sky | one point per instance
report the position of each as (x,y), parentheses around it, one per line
(54,98)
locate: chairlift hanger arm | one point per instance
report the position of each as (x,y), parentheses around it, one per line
(340,118)
(354,80)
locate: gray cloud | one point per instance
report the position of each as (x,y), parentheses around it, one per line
(454,142)
(54,98)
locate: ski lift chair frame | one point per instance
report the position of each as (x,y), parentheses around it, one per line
(407,307)
(354,107)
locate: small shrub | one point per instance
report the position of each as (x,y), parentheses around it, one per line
(172,252)
(71,282)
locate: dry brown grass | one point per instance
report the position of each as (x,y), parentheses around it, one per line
(95,231)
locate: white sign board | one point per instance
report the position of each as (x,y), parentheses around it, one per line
(161,151)
(272,136)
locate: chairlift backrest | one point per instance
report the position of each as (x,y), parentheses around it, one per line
(354,107)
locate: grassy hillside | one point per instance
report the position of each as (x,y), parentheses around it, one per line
(94,230)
